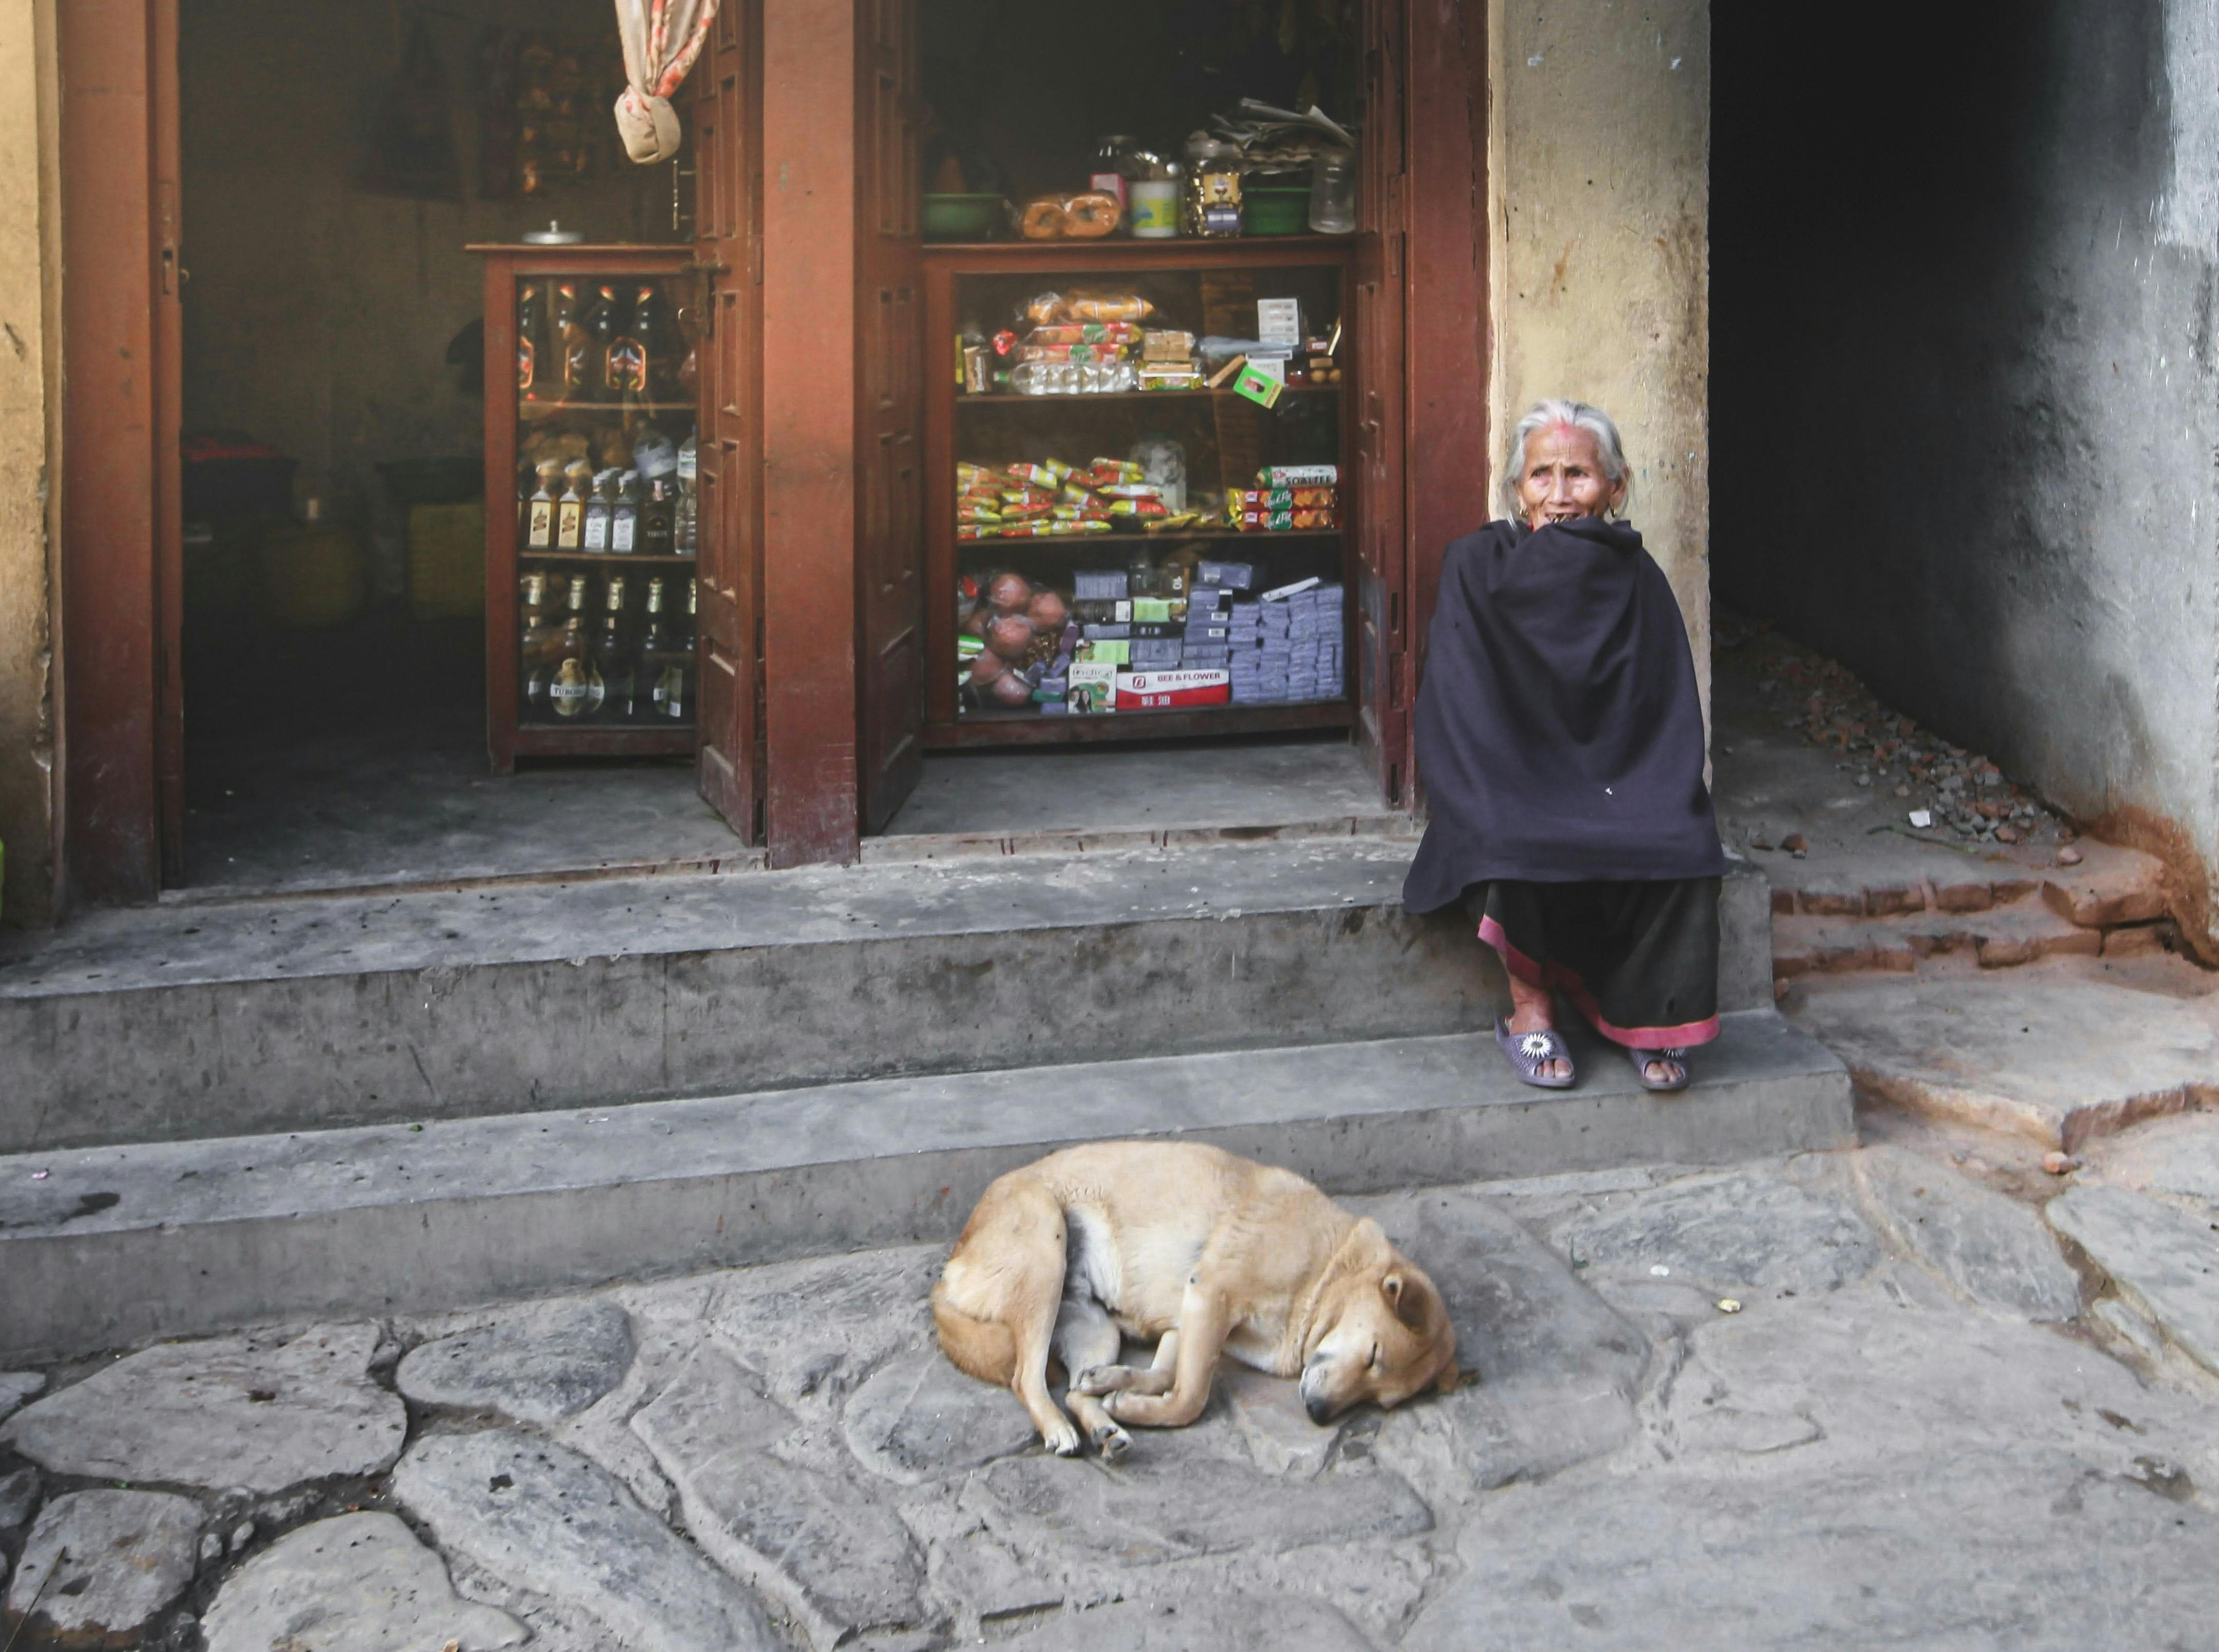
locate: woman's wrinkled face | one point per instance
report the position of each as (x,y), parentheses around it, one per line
(1565,477)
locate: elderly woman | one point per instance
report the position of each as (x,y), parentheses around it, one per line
(1561,740)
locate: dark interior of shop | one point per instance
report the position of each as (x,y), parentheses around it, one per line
(337,161)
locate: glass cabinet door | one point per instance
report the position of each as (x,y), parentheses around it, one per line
(1148,487)
(606,522)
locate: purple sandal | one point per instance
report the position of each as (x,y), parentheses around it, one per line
(1529,1052)
(1677,1058)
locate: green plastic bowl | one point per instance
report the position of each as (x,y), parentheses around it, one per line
(1275,210)
(959,217)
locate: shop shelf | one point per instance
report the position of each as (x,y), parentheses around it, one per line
(525,553)
(1013,399)
(1168,537)
(997,727)
(532,412)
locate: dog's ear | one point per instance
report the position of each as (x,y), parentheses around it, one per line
(1369,1241)
(1405,1297)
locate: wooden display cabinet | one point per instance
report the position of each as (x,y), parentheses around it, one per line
(1203,287)
(600,426)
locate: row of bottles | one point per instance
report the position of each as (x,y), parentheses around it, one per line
(580,666)
(649,511)
(595,345)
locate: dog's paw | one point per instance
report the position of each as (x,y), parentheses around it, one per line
(1112,1441)
(1062,1439)
(1100,1379)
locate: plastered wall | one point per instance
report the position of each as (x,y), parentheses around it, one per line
(1598,203)
(29,405)
(1968,376)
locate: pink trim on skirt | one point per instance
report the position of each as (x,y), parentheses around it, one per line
(1569,983)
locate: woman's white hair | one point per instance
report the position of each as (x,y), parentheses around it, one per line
(1551,411)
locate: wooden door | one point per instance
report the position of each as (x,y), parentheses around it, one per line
(1382,471)
(122,503)
(728,240)
(890,415)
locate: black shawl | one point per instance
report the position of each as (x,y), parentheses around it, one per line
(1560,738)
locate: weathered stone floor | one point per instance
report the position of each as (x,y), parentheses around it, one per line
(1847,1400)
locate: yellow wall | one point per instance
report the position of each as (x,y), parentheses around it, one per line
(29,370)
(1599,185)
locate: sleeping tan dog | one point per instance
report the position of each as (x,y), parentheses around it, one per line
(1199,1252)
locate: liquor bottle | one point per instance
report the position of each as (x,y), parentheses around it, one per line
(623,515)
(570,508)
(674,683)
(631,357)
(651,329)
(524,477)
(685,536)
(529,354)
(568,335)
(601,328)
(658,515)
(614,663)
(535,631)
(540,533)
(573,607)
(575,693)
(598,508)
(618,351)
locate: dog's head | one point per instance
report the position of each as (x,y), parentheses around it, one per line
(1382,1331)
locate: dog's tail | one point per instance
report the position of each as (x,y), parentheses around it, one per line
(976,1347)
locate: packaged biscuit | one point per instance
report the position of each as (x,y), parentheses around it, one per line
(1286,521)
(1074,352)
(1287,499)
(1134,489)
(1137,507)
(1050,473)
(1166,344)
(1102,473)
(1298,476)
(1085,332)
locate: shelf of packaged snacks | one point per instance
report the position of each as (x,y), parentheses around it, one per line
(1018,399)
(1165,536)
(525,553)
(537,411)
(610,740)
(1115,252)
(997,727)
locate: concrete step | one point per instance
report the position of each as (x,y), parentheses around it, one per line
(109,1247)
(169,1023)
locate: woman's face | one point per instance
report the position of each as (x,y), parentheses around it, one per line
(1565,477)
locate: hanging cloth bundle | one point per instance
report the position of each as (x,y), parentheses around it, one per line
(661,38)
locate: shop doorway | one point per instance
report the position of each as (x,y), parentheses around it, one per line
(335,163)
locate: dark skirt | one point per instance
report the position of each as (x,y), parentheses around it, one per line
(1639,960)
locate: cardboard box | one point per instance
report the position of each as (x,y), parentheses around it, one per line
(1150,690)
(1093,687)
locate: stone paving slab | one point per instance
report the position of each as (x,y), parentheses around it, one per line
(266,1412)
(2058,1058)
(551,1520)
(354,1583)
(100,1564)
(2163,1258)
(2177,1156)
(537,1366)
(1993,1248)
(117,1245)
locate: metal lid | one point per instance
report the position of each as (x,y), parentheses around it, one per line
(553,235)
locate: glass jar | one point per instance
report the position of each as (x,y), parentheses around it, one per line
(1333,192)
(1212,188)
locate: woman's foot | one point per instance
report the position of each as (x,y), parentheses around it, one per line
(1532,1011)
(1661,1070)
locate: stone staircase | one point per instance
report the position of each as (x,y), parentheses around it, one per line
(220,1115)
(1999,913)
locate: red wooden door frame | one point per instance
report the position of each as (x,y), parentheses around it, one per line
(121,510)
